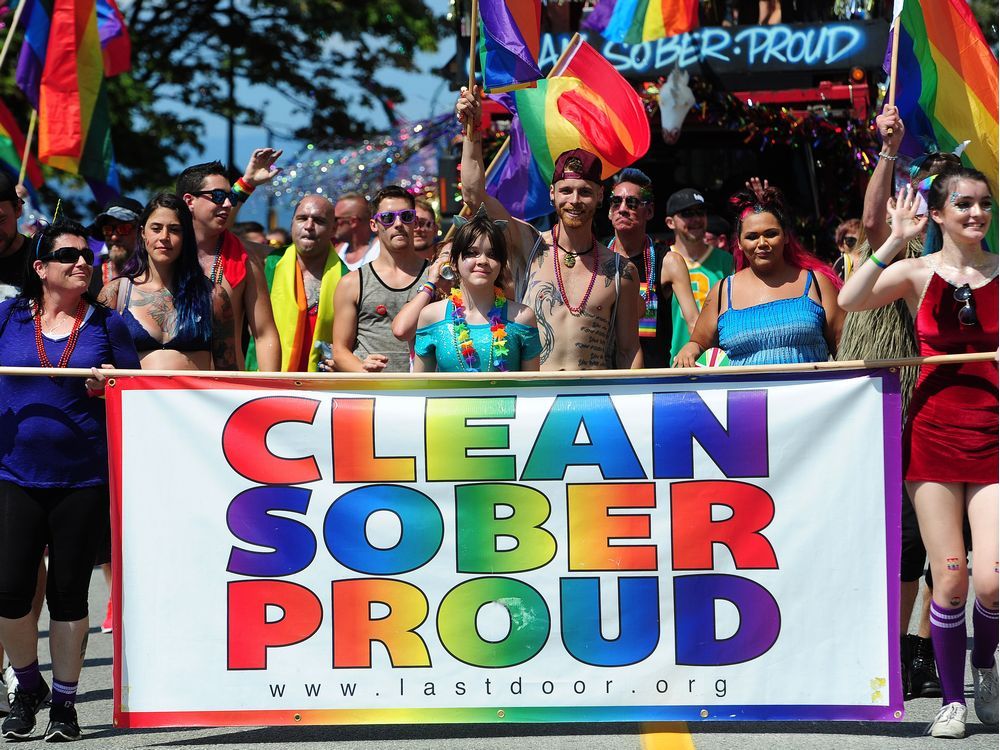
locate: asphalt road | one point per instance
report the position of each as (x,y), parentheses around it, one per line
(96,703)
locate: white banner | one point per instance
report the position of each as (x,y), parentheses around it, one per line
(439,551)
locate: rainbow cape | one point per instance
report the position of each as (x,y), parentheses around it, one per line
(69,45)
(588,105)
(11,149)
(509,38)
(637,21)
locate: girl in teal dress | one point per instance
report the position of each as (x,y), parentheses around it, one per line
(475,328)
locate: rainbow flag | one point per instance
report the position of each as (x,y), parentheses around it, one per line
(946,85)
(11,150)
(587,104)
(116,45)
(61,70)
(637,21)
(509,38)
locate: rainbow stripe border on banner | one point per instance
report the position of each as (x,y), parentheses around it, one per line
(499,713)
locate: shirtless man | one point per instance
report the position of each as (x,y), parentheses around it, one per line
(208,193)
(583,294)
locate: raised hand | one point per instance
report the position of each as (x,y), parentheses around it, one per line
(469,105)
(903,215)
(890,128)
(754,184)
(260,169)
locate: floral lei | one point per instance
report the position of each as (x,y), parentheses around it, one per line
(463,337)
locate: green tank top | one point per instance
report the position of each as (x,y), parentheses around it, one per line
(705,274)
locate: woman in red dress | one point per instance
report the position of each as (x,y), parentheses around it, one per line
(950,441)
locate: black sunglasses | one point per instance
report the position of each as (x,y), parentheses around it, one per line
(69,255)
(631,202)
(850,241)
(218,196)
(967,312)
(690,213)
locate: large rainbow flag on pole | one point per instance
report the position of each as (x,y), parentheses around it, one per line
(61,70)
(11,150)
(509,39)
(584,103)
(946,82)
(637,21)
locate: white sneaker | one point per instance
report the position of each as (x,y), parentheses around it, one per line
(984,683)
(949,723)
(10,681)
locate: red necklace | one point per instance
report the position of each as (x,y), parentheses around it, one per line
(647,259)
(559,280)
(43,358)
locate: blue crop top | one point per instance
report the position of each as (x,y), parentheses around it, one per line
(439,339)
(144,341)
(783,331)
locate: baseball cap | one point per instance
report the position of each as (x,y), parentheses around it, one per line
(717,225)
(577,164)
(119,209)
(7,192)
(684,199)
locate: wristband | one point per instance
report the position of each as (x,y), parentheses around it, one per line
(882,266)
(243,189)
(887,157)
(430,289)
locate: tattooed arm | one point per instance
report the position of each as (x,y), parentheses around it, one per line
(544,297)
(223,332)
(109,294)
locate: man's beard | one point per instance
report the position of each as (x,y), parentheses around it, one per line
(585,219)
(118,255)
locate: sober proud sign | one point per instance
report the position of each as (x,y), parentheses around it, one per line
(427,551)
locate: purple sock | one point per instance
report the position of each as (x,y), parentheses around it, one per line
(28,678)
(948,636)
(984,635)
(63,693)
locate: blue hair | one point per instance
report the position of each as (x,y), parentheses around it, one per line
(192,290)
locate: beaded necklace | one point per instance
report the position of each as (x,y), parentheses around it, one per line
(216,275)
(466,349)
(559,280)
(74,335)
(648,260)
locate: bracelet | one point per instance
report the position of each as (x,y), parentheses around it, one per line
(882,266)
(887,157)
(242,189)
(430,289)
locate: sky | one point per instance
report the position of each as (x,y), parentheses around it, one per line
(426,95)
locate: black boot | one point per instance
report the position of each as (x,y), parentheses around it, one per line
(905,657)
(924,682)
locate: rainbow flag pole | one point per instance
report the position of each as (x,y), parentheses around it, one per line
(10,32)
(27,146)
(473,49)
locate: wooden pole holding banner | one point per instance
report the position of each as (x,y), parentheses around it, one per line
(27,144)
(14,21)
(691,373)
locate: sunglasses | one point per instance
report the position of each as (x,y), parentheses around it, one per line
(424,224)
(69,255)
(850,241)
(966,313)
(388,218)
(120,229)
(631,202)
(218,196)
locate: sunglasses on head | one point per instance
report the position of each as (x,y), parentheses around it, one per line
(967,312)
(850,241)
(631,202)
(218,196)
(69,255)
(120,229)
(388,218)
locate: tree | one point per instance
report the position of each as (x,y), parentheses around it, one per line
(321,56)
